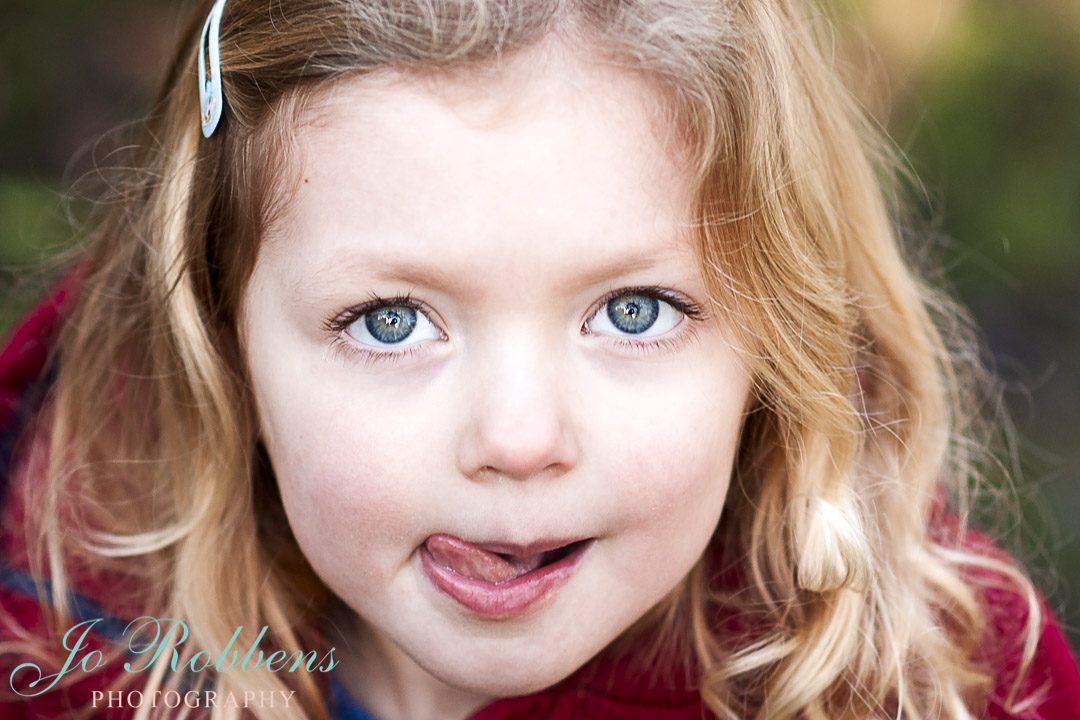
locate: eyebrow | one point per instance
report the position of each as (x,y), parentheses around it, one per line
(616,269)
(382,269)
(423,275)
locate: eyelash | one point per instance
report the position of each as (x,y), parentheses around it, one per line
(339,324)
(687,307)
(646,346)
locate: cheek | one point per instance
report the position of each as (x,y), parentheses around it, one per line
(676,455)
(678,491)
(348,477)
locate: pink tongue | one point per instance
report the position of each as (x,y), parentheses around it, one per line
(470,561)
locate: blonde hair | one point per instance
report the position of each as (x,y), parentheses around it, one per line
(855,597)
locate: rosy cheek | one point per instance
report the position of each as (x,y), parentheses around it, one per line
(678,480)
(344,496)
(678,473)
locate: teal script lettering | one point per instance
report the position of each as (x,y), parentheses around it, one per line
(87,663)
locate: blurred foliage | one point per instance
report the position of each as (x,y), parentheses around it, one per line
(1000,132)
(30,221)
(983,97)
(70,71)
(32,226)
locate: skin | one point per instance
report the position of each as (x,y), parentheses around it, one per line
(510,205)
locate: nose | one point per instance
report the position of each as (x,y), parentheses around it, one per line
(517,418)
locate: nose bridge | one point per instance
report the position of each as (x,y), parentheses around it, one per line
(518,424)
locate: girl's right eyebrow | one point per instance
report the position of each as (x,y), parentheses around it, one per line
(327,281)
(383,269)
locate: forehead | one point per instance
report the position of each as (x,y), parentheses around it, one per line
(554,152)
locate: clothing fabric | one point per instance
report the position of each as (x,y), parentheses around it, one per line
(604,688)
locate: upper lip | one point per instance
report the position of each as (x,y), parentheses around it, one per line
(522,550)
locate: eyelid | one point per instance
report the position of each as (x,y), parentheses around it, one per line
(686,306)
(345,318)
(648,345)
(339,325)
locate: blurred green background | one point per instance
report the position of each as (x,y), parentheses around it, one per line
(982,96)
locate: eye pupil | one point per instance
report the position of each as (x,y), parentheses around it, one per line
(633,313)
(391,324)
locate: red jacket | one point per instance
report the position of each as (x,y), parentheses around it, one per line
(602,689)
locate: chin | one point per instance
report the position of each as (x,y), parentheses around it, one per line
(504,676)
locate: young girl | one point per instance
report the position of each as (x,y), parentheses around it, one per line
(503,359)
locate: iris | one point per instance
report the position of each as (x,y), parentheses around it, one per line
(633,313)
(391,324)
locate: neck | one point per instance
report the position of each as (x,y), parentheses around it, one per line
(388,683)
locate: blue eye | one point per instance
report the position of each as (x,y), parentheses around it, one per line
(392,325)
(635,314)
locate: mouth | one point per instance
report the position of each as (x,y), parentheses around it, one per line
(499,580)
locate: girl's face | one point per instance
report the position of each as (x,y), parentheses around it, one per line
(500,415)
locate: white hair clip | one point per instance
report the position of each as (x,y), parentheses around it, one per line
(210,97)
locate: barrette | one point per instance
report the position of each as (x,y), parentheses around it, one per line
(210,97)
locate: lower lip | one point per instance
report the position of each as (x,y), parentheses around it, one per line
(502,600)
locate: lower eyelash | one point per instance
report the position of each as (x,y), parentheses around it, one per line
(352,352)
(649,346)
(339,325)
(341,346)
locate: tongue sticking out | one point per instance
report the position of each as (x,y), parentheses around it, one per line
(470,561)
